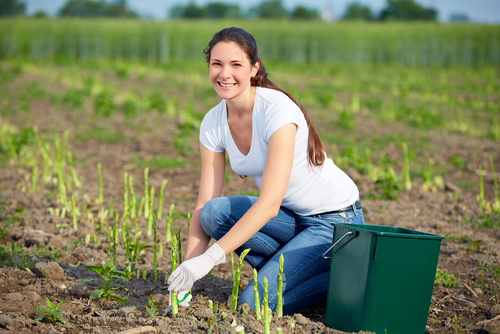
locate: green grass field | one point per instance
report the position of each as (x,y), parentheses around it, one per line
(410,111)
(414,44)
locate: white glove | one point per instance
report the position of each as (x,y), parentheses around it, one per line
(183,278)
(186,295)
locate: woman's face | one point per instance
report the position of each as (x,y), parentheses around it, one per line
(230,70)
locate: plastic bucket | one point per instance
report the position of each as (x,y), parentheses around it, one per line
(381,279)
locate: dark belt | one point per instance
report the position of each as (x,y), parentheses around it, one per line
(357,204)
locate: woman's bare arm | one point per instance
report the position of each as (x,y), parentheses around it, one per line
(272,190)
(211,183)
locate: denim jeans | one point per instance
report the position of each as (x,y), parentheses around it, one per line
(301,239)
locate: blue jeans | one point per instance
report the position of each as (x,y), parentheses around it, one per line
(301,239)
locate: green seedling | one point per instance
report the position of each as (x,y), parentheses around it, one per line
(103,104)
(100,198)
(265,308)
(41,252)
(444,278)
(168,227)
(133,201)
(490,269)
(256,295)
(179,248)
(173,265)
(152,307)
(115,240)
(232,267)
(150,210)
(50,313)
(7,220)
(389,185)
(155,247)
(72,171)
(279,305)
(474,246)
(15,256)
(236,282)
(160,199)
(126,244)
(108,274)
(406,167)
(146,193)
(429,180)
(139,249)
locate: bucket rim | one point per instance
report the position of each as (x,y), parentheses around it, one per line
(389,231)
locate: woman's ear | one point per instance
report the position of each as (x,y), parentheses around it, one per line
(256,68)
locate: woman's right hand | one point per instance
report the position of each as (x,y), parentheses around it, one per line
(183,278)
(183,298)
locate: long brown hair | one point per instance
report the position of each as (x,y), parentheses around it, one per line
(246,41)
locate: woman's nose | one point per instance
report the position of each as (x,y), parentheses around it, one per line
(224,72)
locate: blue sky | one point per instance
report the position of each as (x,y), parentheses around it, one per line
(481,11)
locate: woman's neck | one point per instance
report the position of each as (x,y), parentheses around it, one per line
(243,104)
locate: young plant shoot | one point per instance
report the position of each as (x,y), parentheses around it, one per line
(146,193)
(133,204)
(168,228)
(150,214)
(265,307)
(160,199)
(279,305)
(100,198)
(155,246)
(258,317)
(173,265)
(236,282)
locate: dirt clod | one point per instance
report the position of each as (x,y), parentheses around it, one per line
(204,313)
(33,297)
(50,270)
(13,297)
(495,310)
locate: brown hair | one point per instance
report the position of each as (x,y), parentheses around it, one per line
(249,45)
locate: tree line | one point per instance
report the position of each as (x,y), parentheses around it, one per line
(267,9)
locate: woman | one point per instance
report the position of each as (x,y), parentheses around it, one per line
(268,136)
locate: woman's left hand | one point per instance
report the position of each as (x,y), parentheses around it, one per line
(183,278)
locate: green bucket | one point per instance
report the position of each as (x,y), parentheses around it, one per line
(381,279)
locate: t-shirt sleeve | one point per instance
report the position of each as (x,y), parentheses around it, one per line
(211,132)
(283,112)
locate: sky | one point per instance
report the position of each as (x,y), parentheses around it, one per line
(479,11)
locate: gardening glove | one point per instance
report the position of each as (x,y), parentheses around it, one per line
(183,298)
(183,278)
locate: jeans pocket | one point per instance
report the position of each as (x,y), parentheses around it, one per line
(338,218)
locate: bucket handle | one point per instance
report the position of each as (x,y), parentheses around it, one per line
(350,234)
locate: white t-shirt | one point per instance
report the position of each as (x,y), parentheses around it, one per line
(311,189)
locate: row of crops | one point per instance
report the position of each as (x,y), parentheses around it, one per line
(415,44)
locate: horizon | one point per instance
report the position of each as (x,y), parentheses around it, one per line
(480,11)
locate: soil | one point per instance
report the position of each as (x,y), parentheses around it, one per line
(472,306)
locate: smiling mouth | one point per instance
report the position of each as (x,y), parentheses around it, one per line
(226,85)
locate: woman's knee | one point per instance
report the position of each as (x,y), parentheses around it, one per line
(212,216)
